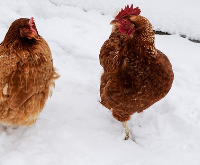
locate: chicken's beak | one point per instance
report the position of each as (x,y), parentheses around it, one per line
(114,22)
(35,36)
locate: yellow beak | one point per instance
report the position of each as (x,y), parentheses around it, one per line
(114,22)
(34,36)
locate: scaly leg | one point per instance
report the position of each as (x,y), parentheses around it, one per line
(126,130)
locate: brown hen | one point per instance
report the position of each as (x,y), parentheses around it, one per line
(136,74)
(26,74)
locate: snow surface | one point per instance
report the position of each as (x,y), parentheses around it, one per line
(74,128)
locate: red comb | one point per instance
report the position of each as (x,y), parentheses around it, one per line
(31,22)
(128,11)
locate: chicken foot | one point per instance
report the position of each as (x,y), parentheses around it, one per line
(125,125)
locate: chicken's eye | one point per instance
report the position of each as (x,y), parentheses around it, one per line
(27,31)
(24,32)
(125,22)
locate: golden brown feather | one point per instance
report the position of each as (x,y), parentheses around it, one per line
(26,74)
(136,74)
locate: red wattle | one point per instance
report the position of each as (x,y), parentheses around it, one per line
(130,31)
(122,30)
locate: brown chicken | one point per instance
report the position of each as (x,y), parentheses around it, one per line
(136,74)
(26,74)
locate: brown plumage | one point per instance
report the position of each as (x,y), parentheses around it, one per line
(136,74)
(26,74)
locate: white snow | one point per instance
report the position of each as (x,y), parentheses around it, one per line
(74,128)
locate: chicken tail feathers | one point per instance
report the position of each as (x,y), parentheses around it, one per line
(51,82)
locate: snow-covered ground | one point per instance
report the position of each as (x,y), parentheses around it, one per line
(74,128)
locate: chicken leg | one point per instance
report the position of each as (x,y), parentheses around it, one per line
(126,130)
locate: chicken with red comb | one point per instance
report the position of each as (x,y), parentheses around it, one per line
(26,74)
(135,74)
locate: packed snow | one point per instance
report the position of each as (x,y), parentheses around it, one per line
(74,128)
